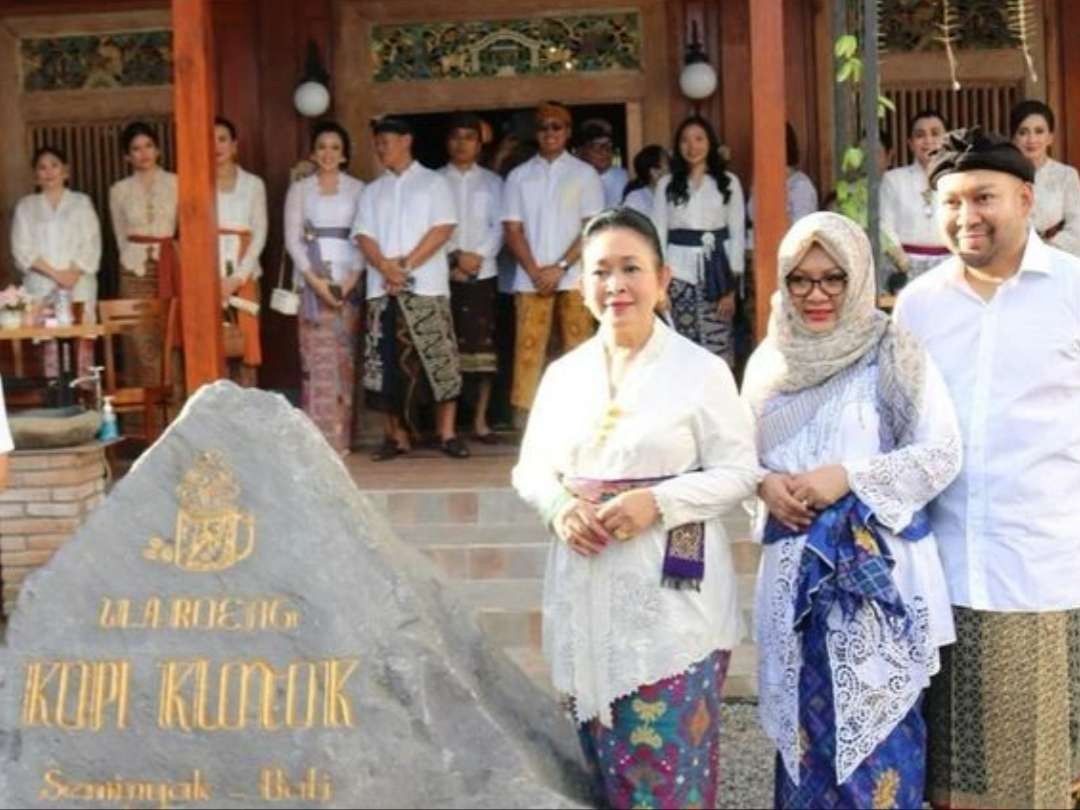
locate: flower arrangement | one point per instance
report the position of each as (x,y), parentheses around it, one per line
(14,299)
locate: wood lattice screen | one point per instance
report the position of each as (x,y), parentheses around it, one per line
(94,154)
(986,104)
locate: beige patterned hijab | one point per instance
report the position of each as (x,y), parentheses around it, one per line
(793,358)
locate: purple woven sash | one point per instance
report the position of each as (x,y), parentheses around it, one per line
(312,234)
(684,556)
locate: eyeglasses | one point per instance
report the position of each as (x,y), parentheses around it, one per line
(801,286)
(550,127)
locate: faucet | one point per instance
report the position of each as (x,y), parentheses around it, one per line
(95,379)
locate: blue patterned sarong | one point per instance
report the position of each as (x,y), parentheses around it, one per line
(846,562)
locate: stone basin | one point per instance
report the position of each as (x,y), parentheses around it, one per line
(37,428)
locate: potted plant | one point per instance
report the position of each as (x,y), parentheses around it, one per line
(14,302)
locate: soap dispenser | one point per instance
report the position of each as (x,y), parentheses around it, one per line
(109,429)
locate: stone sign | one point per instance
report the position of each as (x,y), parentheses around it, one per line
(236,626)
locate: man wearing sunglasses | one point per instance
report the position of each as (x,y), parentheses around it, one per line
(546,202)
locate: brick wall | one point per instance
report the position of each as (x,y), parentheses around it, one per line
(49,495)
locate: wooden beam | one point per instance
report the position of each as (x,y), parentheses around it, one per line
(1069,31)
(200,287)
(770,174)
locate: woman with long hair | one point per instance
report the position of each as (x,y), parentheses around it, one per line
(700,213)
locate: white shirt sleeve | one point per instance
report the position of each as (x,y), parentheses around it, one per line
(443,208)
(294,231)
(6,443)
(1069,237)
(724,432)
(736,218)
(23,249)
(87,248)
(592,196)
(365,222)
(535,476)
(249,267)
(513,211)
(897,484)
(888,202)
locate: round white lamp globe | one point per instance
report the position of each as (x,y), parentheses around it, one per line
(697,80)
(311,99)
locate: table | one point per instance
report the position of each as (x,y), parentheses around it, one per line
(85,331)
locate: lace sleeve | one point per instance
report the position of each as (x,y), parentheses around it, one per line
(897,484)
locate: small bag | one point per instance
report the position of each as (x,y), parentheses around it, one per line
(285,300)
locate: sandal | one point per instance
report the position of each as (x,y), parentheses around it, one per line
(455,448)
(388,450)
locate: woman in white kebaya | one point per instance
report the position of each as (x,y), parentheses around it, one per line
(857,432)
(56,244)
(1057,186)
(639,595)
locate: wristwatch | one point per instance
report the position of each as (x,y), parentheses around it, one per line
(563,265)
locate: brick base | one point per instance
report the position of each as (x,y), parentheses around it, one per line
(49,495)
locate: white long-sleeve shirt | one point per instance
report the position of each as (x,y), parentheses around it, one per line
(705,210)
(1057,199)
(478,198)
(143,210)
(67,235)
(305,202)
(1007,527)
(551,199)
(244,209)
(609,625)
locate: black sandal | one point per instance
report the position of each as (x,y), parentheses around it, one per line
(455,448)
(388,450)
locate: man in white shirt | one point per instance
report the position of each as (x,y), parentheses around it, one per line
(907,198)
(404,221)
(546,202)
(598,150)
(472,250)
(1001,320)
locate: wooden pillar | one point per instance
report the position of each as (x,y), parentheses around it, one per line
(770,174)
(1068,142)
(200,287)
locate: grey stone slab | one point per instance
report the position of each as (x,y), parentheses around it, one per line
(367,683)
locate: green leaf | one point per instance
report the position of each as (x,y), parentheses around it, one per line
(852,160)
(845,72)
(886,103)
(857,71)
(846,46)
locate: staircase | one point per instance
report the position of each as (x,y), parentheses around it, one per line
(493,551)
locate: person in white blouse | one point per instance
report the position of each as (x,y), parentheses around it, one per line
(1057,186)
(56,235)
(241,212)
(639,606)
(405,220)
(650,166)
(143,209)
(1001,319)
(545,202)
(857,432)
(598,150)
(319,213)
(802,195)
(908,200)
(700,213)
(56,245)
(472,251)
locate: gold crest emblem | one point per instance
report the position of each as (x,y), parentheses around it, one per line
(212,534)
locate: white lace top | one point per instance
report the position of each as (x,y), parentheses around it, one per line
(1057,198)
(609,626)
(142,210)
(877,677)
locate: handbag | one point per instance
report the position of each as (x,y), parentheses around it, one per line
(285,300)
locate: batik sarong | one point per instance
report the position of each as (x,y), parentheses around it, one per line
(411,356)
(697,319)
(473,305)
(1004,712)
(142,352)
(328,371)
(663,747)
(532,333)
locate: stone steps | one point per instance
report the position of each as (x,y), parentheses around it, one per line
(493,551)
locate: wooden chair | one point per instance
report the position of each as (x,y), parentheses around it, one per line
(155,318)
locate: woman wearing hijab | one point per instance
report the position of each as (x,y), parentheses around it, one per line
(639,594)
(857,433)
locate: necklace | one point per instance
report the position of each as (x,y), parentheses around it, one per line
(985,278)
